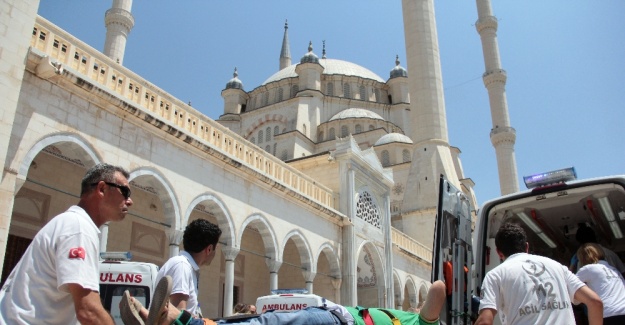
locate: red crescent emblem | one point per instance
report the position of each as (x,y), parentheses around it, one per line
(77,252)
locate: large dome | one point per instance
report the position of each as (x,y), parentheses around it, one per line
(392,137)
(356,113)
(331,66)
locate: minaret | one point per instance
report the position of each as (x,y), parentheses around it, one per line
(432,155)
(118,21)
(285,52)
(502,135)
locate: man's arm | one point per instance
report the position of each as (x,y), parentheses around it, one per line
(593,302)
(487,316)
(88,306)
(179,300)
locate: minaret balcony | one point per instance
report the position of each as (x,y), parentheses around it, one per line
(503,134)
(495,76)
(119,16)
(486,23)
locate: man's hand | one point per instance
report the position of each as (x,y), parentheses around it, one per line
(88,306)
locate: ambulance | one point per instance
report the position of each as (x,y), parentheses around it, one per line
(288,300)
(117,274)
(551,210)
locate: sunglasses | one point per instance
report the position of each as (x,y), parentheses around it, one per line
(125,190)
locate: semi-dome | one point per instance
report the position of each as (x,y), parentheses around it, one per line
(356,113)
(331,67)
(393,137)
(234,83)
(398,70)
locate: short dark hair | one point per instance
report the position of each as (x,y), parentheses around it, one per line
(199,234)
(510,239)
(100,172)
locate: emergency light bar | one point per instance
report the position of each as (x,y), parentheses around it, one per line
(552,177)
(116,256)
(288,291)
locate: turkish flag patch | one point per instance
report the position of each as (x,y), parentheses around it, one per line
(77,252)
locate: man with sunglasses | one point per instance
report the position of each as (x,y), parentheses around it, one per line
(57,279)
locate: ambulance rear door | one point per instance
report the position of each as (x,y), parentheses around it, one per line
(452,252)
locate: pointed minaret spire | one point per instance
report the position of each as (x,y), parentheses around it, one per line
(323,53)
(285,52)
(118,21)
(502,135)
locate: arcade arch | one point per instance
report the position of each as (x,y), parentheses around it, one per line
(370,273)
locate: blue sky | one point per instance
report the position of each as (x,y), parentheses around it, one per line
(565,61)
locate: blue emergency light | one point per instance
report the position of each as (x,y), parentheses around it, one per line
(549,178)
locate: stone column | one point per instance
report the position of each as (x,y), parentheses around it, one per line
(104,237)
(175,237)
(349,292)
(388,252)
(230,253)
(399,302)
(274,267)
(18,19)
(309,276)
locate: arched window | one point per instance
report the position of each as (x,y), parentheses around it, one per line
(344,131)
(276,130)
(330,89)
(347,91)
(284,155)
(268,148)
(363,94)
(268,135)
(331,136)
(358,128)
(385,158)
(275,146)
(294,90)
(280,94)
(253,140)
(320,136)
(405,155)
(377,95)
(261,136)
(371,127)
(304,129)
(367,209)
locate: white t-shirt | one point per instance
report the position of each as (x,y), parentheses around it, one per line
(606,281)
(184,273)
(65,250)
(530,289)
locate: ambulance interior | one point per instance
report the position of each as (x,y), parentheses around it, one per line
(551,220)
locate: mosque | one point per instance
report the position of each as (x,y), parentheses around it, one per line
(324,176)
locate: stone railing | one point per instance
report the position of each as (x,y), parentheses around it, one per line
(411,246)
(71,53)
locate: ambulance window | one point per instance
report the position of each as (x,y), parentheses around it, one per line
(111,295)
